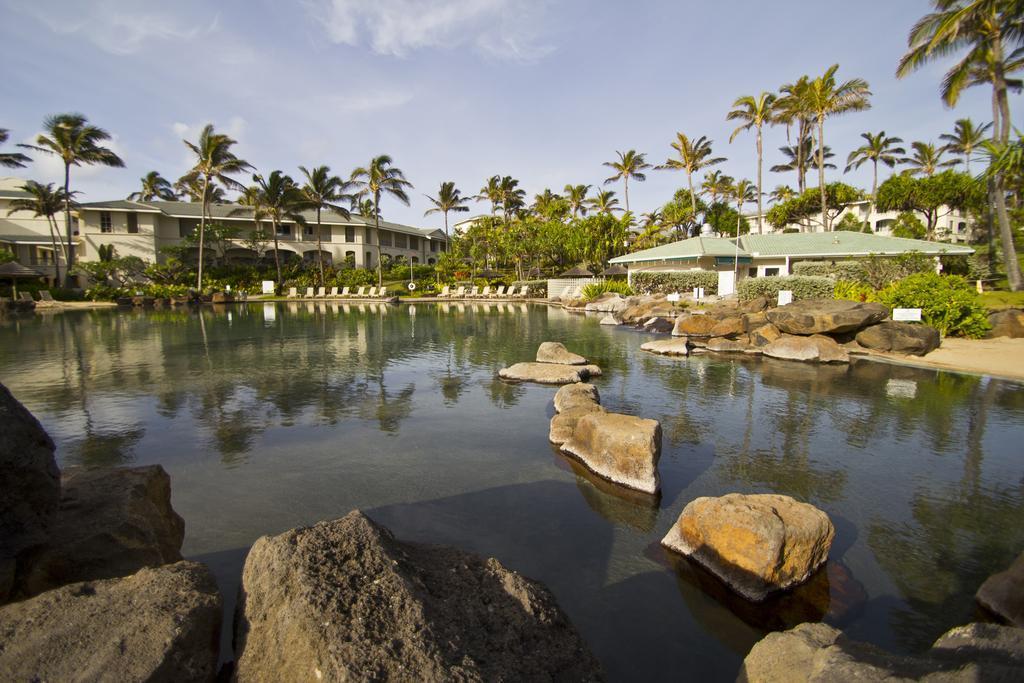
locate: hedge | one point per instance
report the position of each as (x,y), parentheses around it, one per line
(948,303)
(537,289)
(803,287)
(665,283)
(840,270)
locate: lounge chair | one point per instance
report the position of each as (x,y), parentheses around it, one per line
(523,291)
(334,293)
(309,292)
(44,295)
(500,294)
(360,294)
(460,292)
(372,294)
(486,294)
(445,292)
(511,293)
(25,296)
(475,293)
(321,293)
(293,293)
(344,291)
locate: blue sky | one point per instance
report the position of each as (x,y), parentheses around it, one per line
(452,89)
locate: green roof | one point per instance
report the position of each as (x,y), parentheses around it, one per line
(841,243)
(684,250)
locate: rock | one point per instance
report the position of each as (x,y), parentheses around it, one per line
(547,373)
(723,345)
(826,316)
(555,352)
(609,320)
(608,303)
(667,347)
(621,448)
(160,624)
(344,600)
(694,326)
(729,327)
(111,522)
(1007,323)
(755,305)
(222,298)
(659,325)
(564,423)
(1003,593)
(817,348)
(819,652)
(752,321)
(764,335)
(575,395)
(899,337)
(756,544)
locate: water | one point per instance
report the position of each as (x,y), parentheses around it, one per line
(271,416)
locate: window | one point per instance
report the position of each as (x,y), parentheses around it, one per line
(350,233)
(384,238)
(415,261)
(369,259)
(284,230)
(133,223)
(400,241)
(752,272)
(187,226)
(769,272)
(414,242)
(74,225)
(308,232)
(433,246)
(106,223)
(431,261)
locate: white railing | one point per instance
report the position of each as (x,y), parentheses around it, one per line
(561,286)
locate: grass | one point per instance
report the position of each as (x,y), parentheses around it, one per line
(997,300)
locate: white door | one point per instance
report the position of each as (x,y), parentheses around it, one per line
(726,282)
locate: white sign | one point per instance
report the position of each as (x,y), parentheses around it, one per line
(785,297)
(268,286)
(726,282)
(673,297)
(907,314)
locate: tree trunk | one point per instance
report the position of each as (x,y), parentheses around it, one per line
(821,171)
(67,227)
(760,207)
(376,220)
(202,233)
(277,250)
(320,248)
(56,254)
(1013,275)
(625,185)
(693,198)
(871,204)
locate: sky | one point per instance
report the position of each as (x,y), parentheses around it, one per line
(543,90)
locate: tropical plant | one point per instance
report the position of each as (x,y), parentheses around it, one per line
(803,287)
(826,97)
(374,181)
(850,223)
(908,226)
(791,110)
(605,202)
(926,159)
(754,112)
(647,282)
(876,148)
(214,163)
(190,188)
(802,208)
(576,195)
(799,158)
(742,192)
(491,192)
(323,191)
(716,184)
(448,199)
(513,197)
(549,205)
(933,196)
(631,164)
(72,138)
(965,140)
(781,193)
(44,201)
(11,159)
(596,289)
(154,186)
(694,156)
(947,302)
(281,200)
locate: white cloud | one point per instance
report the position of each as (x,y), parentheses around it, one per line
(505,29)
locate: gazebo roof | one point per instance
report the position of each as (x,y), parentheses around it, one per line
(578,271)
(15,269)
(615,270)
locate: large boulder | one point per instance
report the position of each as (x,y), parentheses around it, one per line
(819,652)
(344,600)
(563,424)
(1003,593)
(610,319)
(549,373)
(899,337)
(724,345)
(817,349)
(731,326)
(30,486)
(621,448)
(667,347)
(658,325)
(576,395)
(555,352)
(826,316)
(159,625)
(694,325)
(764,335)
(608,303)
(756,544)
(1007,323)
(112,522)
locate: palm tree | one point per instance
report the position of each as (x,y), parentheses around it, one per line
(781,193)
(744,192)
(716,184)
(215,163)
(281,200)
(46,201)
(965,139)
(448,198)
(11,159)
(791,109)
(375,180)
(876,148)
(754,112)
(190,188)
(826,97)
(576,195)
(323,191)
(154,186)
(926,159)
(604,201)
(513,197)
(364,207)
(631,164)
(491,192)
(252,198)
(799,157)
(545,202)
(76,142)
(694,156)
(990,32)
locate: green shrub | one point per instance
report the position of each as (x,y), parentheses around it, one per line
(881,271)
(839,270)
(666,283)
(947,302)
(855,291)
(596,289)
(803,287)
(538,289)
(850,223)
(909,226)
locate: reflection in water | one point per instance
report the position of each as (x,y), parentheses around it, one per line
(274,416)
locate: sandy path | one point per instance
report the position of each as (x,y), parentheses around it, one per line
(1001,357)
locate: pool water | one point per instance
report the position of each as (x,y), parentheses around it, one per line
(271,416)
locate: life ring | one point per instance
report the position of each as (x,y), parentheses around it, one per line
(412,286)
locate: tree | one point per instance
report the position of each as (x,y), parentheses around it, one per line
(549,205)
(605,202)
(44,200)
(513,197)
(11,159)
(491,192)
(876,148)
(850,223)
(908,226)
(743,192)
(799,158)
(76,142)
(781,193)
(990,32)
(377,179)
(791,109)
(694,155)
(280,199)
(576,195)
(716,184)
(323,191)
(154,186)
(965,140)
(826,97)
(190,188)
(214,163)
(631,164)
(807,205)
(448,198)
(932,196)
(926,159)
(754,112)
